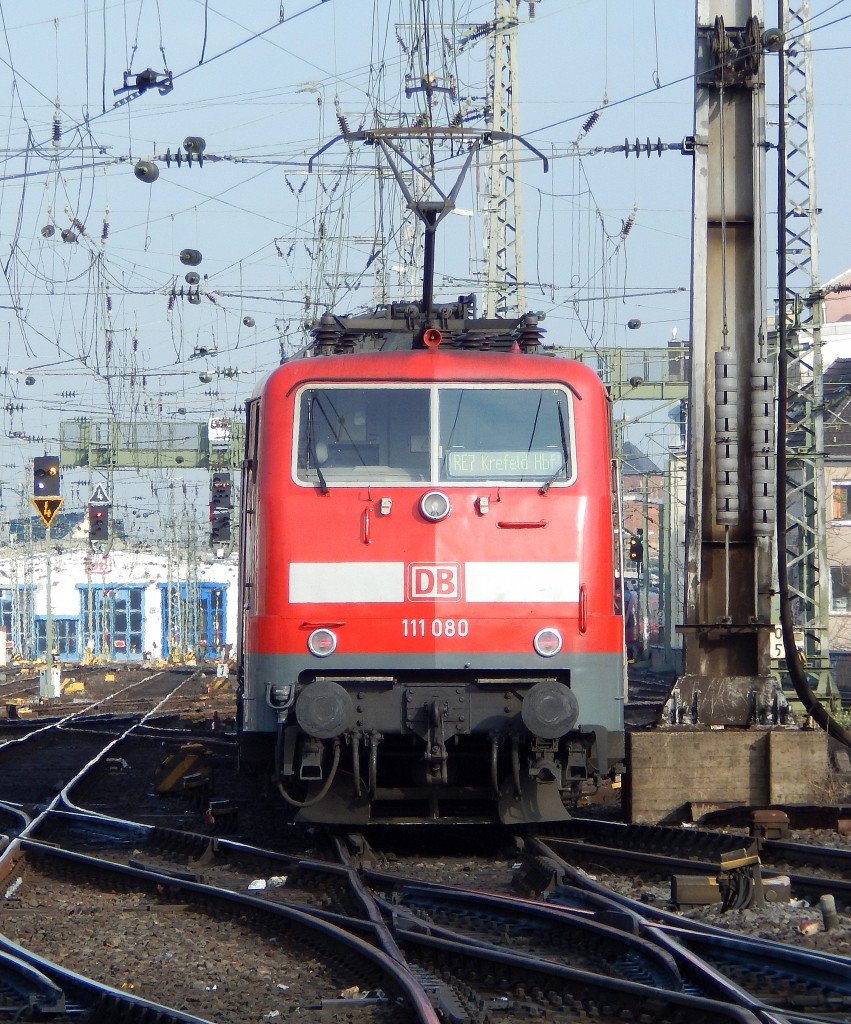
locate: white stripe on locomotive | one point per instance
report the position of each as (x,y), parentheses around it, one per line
(384,582)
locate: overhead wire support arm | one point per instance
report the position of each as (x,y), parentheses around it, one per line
(483,137)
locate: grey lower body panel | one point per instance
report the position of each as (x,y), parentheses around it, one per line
(596,681)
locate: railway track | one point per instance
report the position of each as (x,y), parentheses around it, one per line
(480,982)
(582,954)
(800,983)
(226,956)
(37,763)
(657,853)
(34,988)
(764,976)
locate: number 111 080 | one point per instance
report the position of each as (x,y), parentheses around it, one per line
(435,627)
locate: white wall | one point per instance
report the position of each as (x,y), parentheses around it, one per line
(72,568)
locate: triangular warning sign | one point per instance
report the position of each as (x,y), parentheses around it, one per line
(47,508)
(99,496)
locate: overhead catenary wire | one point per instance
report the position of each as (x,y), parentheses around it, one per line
(122,266)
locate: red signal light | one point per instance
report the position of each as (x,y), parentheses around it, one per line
(98,522)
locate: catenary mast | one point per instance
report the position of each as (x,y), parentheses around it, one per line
(730,502)
(504,292)
(805,526)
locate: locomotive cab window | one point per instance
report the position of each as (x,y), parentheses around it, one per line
(359,435)
(515,435)
(510,434)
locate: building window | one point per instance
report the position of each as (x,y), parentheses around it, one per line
(17,612)
(113,620)
(840,589)
(842,501)
(64,637)
(193,618)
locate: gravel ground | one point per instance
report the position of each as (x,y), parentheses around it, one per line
(220,970)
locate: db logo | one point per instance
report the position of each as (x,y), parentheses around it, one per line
(437,582)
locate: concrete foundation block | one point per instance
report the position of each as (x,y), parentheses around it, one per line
(669,769)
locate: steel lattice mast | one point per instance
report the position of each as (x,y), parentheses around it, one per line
(504,291)
(805,528)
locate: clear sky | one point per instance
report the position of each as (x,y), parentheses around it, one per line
(91,321)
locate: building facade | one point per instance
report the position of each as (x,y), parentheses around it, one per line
(121,605)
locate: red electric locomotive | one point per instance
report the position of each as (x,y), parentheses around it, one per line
(428,572)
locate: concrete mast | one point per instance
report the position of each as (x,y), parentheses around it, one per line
(723,742)
(730,504)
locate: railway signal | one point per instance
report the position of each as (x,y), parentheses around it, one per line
(98,522)
(221,504)
(46,476)
(219,525)
(220,491)
(46,497)
(636,548)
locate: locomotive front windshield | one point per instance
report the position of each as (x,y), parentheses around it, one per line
(505,434)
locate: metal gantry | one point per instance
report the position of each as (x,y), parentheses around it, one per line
(804,533)
(108,445)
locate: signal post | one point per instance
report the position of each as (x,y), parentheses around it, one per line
(98,509)
(47,500)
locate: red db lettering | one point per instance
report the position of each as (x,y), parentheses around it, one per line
(430,582)
(423,582)
(445,583)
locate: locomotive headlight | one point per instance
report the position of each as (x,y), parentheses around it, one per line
(547,642)
(322,642)
(435,506)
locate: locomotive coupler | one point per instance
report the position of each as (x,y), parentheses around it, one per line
(310,769)
(436,754)
(544,766)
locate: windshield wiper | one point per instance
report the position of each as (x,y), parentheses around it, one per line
(311,447)
(563,467)
(546,486)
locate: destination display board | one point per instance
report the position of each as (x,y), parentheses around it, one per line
(469,465)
